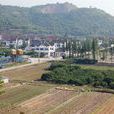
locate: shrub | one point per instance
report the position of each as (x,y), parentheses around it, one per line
(57,65)
(112,85)
(62,73)
(46,77)
(84,61)
(81,61)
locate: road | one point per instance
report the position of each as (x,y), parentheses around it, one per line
(33,62)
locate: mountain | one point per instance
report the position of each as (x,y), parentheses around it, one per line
(57,19)
(55,8)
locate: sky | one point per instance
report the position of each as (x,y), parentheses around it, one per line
(106,5)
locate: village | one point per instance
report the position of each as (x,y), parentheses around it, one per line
(37,49)
(56,57)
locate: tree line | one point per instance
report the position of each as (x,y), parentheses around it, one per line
(90,49)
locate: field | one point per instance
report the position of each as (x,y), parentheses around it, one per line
(28,73)
(17,92)
(62,101)
(85,103)
(25,95)
(15,64)
(16,95)
(97,67)
(107,108)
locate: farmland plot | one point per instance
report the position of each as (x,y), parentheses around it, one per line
(62,102)
(84,104)
(43,103)
(27,73)
(106,108)
(47,101)
(12,97)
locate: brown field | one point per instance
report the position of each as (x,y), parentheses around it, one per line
(62,102)
(28,73)
(84,104)
(43,98)
(106,108)
(13,97)
(43,102)
(16,93)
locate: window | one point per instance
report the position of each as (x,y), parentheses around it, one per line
(51,48)
(46,48)
(41,49)
(37,48)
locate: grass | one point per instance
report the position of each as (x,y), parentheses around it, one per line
(97,67)
(20,94)
(15,64)
(17,95)
(28,73)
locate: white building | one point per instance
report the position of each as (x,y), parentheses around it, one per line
(47,50)
(19,42)
(13,42)
(59,45)
(100,42)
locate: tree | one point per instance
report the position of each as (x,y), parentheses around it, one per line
(74,48)
(1,86)
(111,51)
(104,55)
(88,47)
(94,48)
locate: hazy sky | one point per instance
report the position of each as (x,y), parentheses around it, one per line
(107,5)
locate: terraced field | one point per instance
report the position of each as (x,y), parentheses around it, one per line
(47,101)
(106,108)
(62,102)
(42,98)
(85,103)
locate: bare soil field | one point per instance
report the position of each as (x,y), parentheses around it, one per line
(28,73)
(84,104)
(37,98)
(12,97)
(21,93)
(62,102)
(106,108)
(43,103)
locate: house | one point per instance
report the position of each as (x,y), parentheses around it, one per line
(45,49)
(59,45)
(13,42)
(19,42)
(4,79)
(10,40)
(100,42)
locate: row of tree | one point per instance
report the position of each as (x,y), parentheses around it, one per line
(90,49)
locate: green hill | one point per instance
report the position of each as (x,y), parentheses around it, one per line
(57,19)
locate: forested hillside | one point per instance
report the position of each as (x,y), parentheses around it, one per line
(50,19)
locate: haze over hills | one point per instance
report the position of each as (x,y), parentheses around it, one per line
(57,19)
